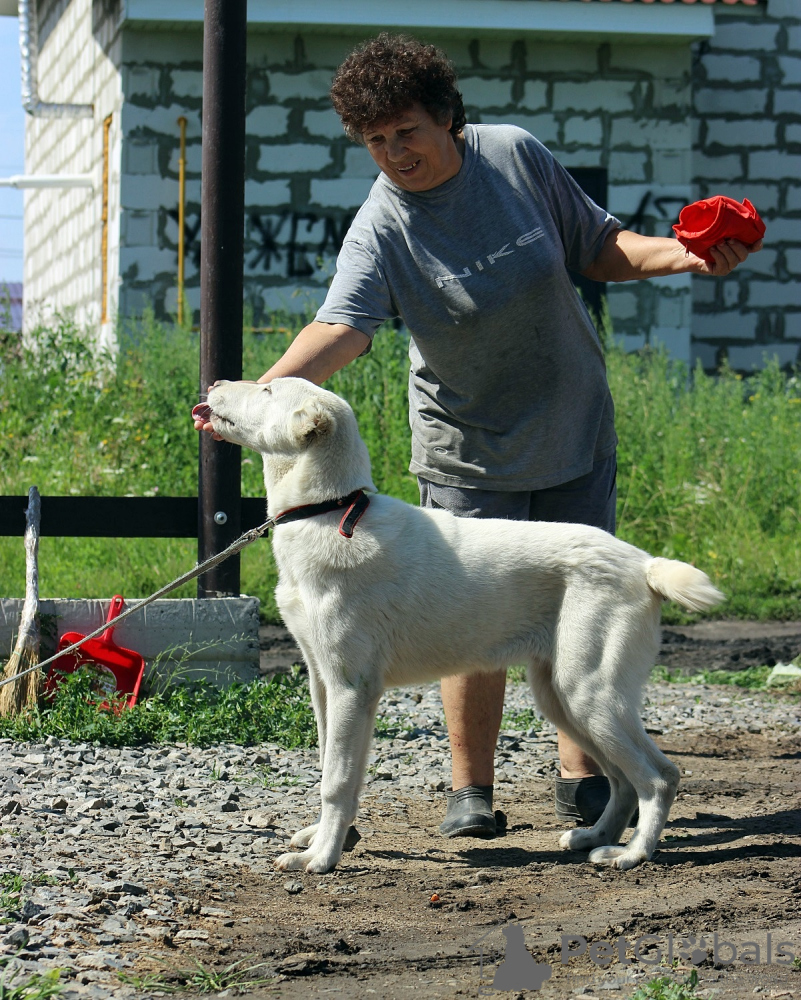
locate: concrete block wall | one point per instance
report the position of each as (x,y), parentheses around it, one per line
(747,106)
(621,107)
(77,64)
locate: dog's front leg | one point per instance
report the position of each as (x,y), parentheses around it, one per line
(350,717)
(304,837)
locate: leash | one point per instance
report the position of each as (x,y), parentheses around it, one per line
(357,503)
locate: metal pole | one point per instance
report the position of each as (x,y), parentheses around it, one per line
(181,216)
(221,263)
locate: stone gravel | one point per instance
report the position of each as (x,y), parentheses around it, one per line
(107,839)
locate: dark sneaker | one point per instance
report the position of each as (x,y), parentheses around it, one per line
(470,813)
(583,800)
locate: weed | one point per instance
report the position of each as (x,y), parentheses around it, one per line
(522,719)
(32,986)
(201,979)
(12,888)
(276,710)
(664,988)
(751,678)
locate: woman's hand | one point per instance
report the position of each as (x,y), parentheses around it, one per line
(201,414)
(727,256)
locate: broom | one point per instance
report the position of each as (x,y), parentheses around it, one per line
(24,691)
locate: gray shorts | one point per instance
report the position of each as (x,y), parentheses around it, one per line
(590,499)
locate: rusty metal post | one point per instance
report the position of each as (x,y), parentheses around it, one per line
(221,264)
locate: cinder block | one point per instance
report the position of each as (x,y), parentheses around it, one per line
(792,326)
(792,201)
(792,258)
(482,92)
(584,131)
(792,133)
(725,101)
(285,298)
(359,163)
(614,96)
(785,102)
(543,127)
(731,291)
(623,304)
(783,231)
(294,158)
(774,293)
(140,156)
(783,8)
(340,193)
(764,197)
(676,342)
(719,168)
(535,95)
(310,85)
(556,57)
(672,94)
(650,133)
(741,132)
(325,123)
(149,261)
(763,262)
(707,354)
(671,166)
(144,191)
(140,81)
(793,36)
(667,61)
(773,164)
(215,639)
(138,227)
(732,69)
(161,119)
(269,120)
(748,359)
(627,166)
(625,199)
(187,82)
(704,291)
(259,193)
(743,36)
(578,157)
(724,325)
(672,311)
(790,67)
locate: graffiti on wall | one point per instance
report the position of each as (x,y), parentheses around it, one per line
(665,206)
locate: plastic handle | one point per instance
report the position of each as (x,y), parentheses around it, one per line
(116,606)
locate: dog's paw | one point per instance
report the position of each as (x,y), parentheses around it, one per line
(580,840)
(621,858)
(316,864)
(292,862)
(304,837)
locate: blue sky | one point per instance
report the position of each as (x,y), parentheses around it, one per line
(12,151)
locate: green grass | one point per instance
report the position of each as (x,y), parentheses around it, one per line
(709,468)
(276,710)
(751,679)
(18,985)
(664,988)
(200,979)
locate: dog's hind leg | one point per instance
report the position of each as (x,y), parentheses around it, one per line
(350,717)
(304,837)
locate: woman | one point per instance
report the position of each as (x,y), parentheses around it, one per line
(468,235)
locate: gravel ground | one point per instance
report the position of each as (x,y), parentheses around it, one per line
(110,834)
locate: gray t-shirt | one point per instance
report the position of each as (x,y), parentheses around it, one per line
(507,388)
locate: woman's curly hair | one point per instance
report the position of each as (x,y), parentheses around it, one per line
(382,78)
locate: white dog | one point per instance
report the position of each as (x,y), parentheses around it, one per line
(402,595)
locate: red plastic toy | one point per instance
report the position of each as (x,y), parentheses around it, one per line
(124,668)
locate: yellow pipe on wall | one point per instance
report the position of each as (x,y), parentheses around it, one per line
(181,208)
(104,220)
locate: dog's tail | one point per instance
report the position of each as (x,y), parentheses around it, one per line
(678,581)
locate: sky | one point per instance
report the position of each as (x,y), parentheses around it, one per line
(12,151)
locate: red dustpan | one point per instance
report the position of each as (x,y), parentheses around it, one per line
(123,668)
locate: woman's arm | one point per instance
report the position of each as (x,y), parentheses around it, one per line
(626,256)
(319,350)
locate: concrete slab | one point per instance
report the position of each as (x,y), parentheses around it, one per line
(216,639)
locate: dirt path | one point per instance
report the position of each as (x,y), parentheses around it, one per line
(729,864)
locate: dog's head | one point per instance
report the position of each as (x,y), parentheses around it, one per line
(294,425)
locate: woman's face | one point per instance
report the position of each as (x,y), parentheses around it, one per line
(414,151)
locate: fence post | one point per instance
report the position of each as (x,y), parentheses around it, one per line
(221,264)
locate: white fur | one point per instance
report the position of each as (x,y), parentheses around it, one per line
(417,594)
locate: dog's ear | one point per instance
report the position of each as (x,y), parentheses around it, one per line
(312,420)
